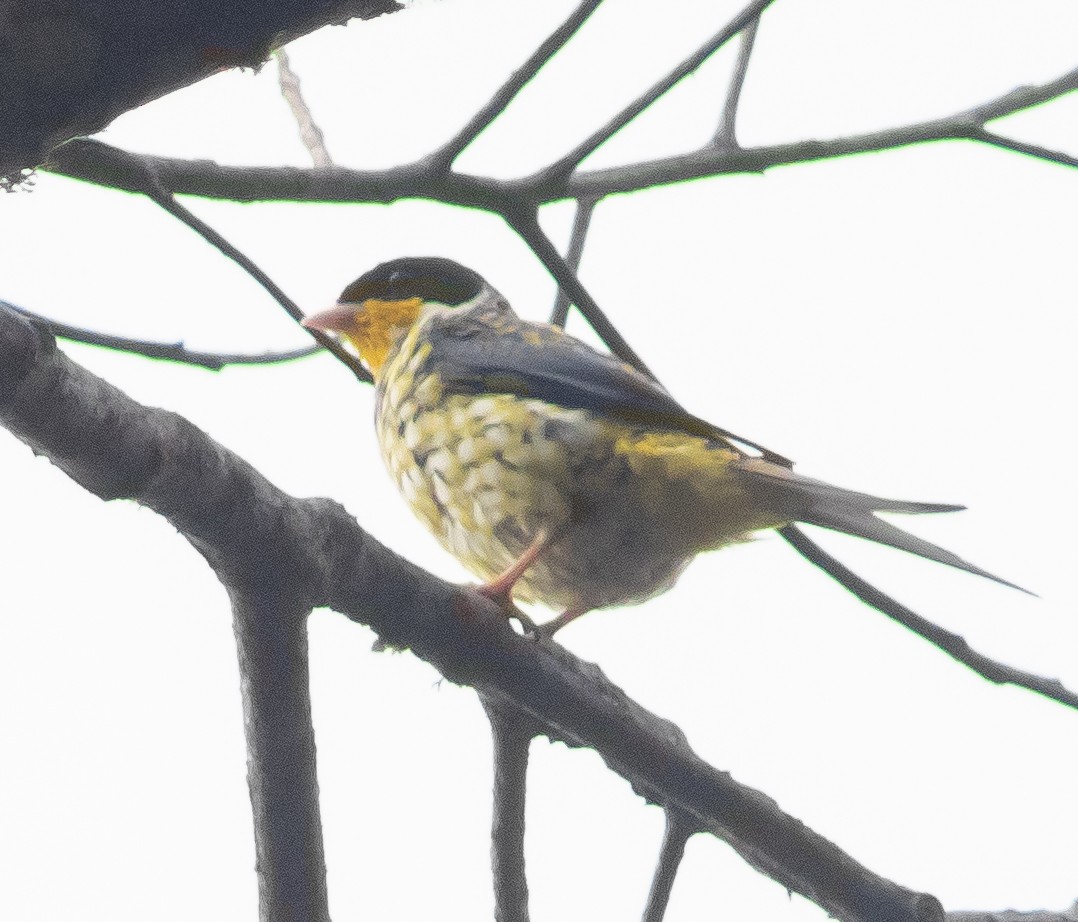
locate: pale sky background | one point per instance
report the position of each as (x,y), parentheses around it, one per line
(901,323)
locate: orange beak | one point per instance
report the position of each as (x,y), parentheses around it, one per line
(336,319)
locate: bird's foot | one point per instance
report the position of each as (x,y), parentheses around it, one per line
(503,598)
(544,633)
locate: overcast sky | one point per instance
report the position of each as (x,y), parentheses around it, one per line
(901,323)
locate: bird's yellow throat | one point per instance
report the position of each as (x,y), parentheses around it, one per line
(377,326)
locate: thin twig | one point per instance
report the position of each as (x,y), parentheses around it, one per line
(511,734)
(953,645)
(309,132)
(581,223)
(726,134)
(526,223)
(675,836)
(1021,147)
(169,203)
(1022,97)
(170,352)
(142,175)
(571,160)
(508,91)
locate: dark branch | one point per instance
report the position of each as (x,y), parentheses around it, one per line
(107,166)
(1010,915)
(511,735)
(207,233)
(104,165)
(1021,97)
(526,224)
(261,542)
(571,160)
(142,175)
(675,835)
(309,132)
(952,644)
(269,621)
(171,352)
(581,223)
(726,135)
(69,69)
(1021,147)
(117,448)
(443,158)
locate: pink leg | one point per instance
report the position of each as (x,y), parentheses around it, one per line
(500,589)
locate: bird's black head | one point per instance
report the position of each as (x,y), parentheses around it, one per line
(428,278)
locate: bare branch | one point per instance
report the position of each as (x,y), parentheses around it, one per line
(952,644)
(444,156)
(171,352)
(526,224)
(675,835)
(581,223)
(103,59)
(1021,147)
(117,448)
(563,167)
(142,175)
(270,624)
(511,734)
(108,166)
(261,541)
(1010,915)
(207,233)
(726,134)
(309,132)
(1022,97)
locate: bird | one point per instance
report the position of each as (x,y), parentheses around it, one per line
(555,472)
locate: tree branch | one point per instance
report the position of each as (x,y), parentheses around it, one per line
(726,134)
(511,735)
(71,68)
(1021,147)
(169,203)
(675,835)
(107,166)
(952,644)
(259,541)
(141,175)
(567,164)
(116,448)
(581,223)
(1010,915)
(171,352)
(270,622)
(309,132)
(526,223)
(442,159)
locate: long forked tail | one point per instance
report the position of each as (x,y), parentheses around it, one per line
(817,503)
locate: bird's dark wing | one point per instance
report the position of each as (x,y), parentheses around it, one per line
(477,353)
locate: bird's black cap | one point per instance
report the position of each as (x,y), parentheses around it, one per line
(428,277)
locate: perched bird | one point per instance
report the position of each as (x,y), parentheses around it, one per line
(555,472)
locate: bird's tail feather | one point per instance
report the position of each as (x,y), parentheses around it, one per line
(864,524)
(817,503)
